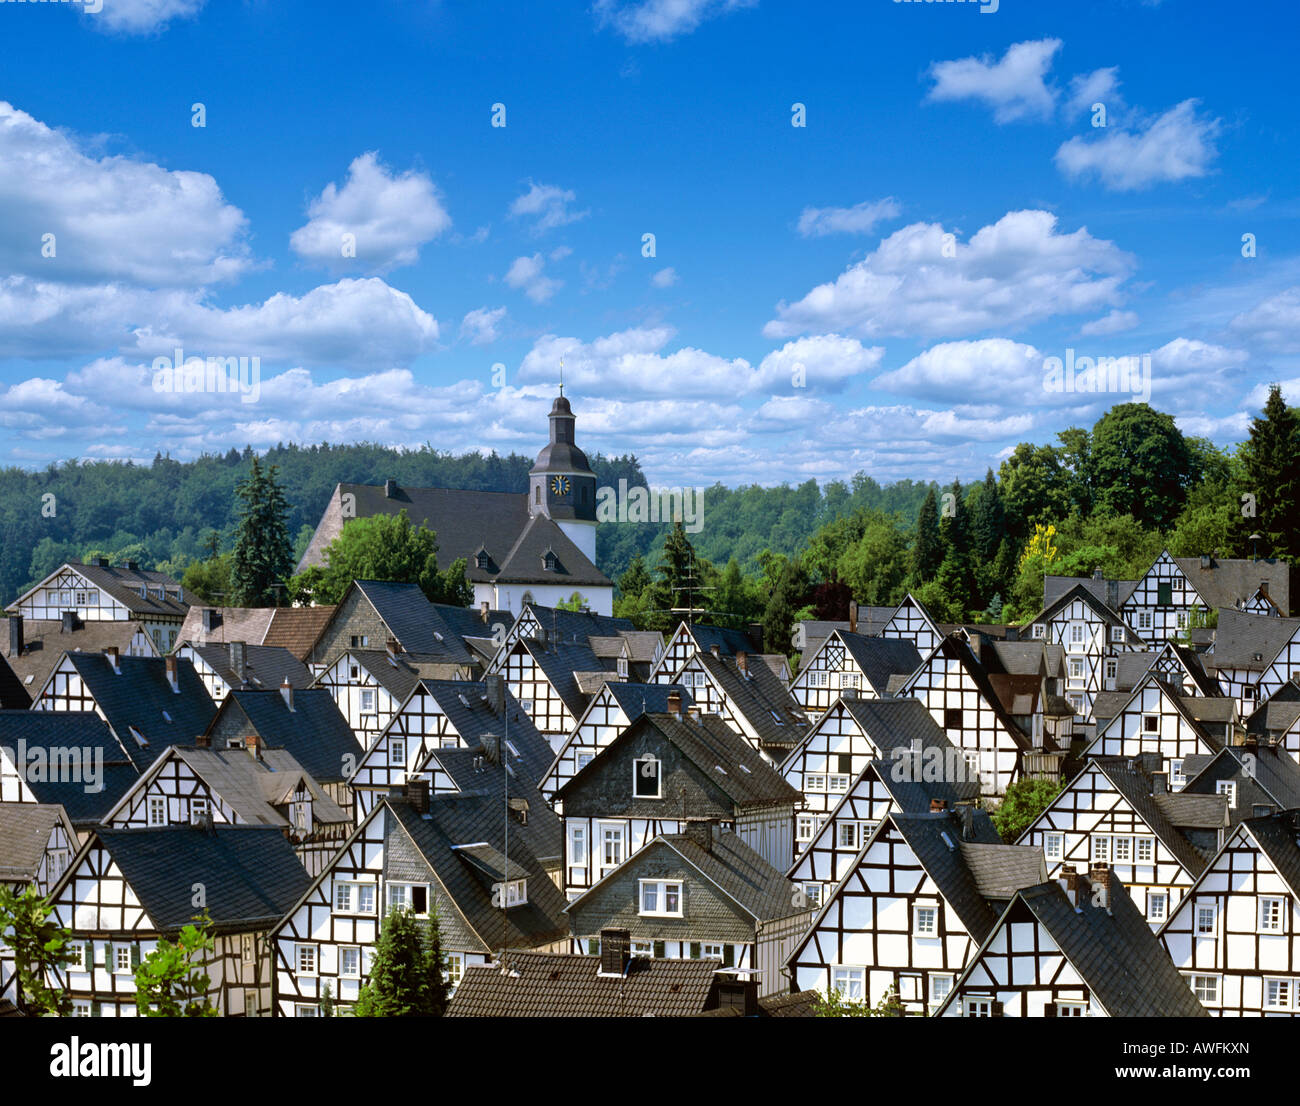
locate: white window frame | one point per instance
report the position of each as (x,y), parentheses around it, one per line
(1054,846)
(846,978)
(367,698)
(408,886)
(940,989)
(1195,978)
(199,806)
(805,827)
(1144,850)
(579,855)
(1199,929)
(1157,906)
(1278,925)
(308,966)
(920,913)
(455,969)
(620,835)
(637,776)
(661,889)
(1279,982)
(157,804)
(1229,788)
(1040,631)
(344,950)
(1099,848)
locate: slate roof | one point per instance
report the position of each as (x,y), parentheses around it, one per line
(251,873)
(895,723)
(1240,638)
(1277,838)
(466,521)
(1274,776)
(733,765)
(1079,589)
(913,796)
(1230,581)
(139,697)
(51,729)
(1054,587)
(576,626)
(13,696)
(729,642)
(999,871)
(561,662)
(1116,954)
(123,584)
(400,673)
(1278,713)
(760,697)
(414,621)
(737,870)
(45,641)
(953,648)
(551,985)
(265,666)
(811,632)
(473,819)
(1034,657)
(881,657)
(315,732)
(25,830)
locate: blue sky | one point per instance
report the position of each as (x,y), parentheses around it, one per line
(877,290)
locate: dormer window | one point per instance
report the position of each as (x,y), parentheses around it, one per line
(1040,631)
(516,892)
(481,558)
(548,561)
(622,668)
(646,775)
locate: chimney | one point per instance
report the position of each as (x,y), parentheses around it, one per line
(417,794)
(966,819)
(853,616)
(132,566)
(1112,594)
(286,690)
(393,646)
(675,704)
(495,686)
(1263,588)
(937,806)
(738,993)
(1159,783)
(742,662)
(110,651)
(519,810)
(238,661)
(253,743)
(169,662)
(203,740)
(69,622)
(491,747)
(390,489)
(99,562)
(1070,881)
(15,635)
(483,611)
(714,650)
(1097,574)
(1250,741)
(211,619)
(1101,880)
(693,713)
(615,947)
(1206,563)
(700,833)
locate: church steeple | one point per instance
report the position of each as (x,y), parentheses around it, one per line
(561,484)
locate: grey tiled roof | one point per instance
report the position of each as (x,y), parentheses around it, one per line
(1230,581)
(140,697)
(729,642)
(1248,641)
(1167,819)
(265,666)
(1278,713)
(882,657)
(45,641)
(465,704)
(314,732)
(399,673)
(1079,589)
(761,698)
(1056,586)
(124,584)
(561,662)
(551,985)
(13,695)
(913,796)
(736,869)
(577,626)
(896,723)
(999,871)
(50,729)
(1273,778)
(413,620)
(25,830)
(1277,838)
(251,874)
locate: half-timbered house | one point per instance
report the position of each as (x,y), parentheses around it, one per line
(1118,812)
(663,772)
(852,664)
(1076,947)
(1255,779)
(702,893)
(690,639)
(955,689)
(457,855)
(306,724)
(552,624)
(1234,937)
(236,664)
(1276,721)
(1253,655)
(35,647)
(100,592)
(236,787)
(293,628)
(124,891)
(611,710)
(923,893)
(912,622)
(553,682)
(148,702)
(449,714)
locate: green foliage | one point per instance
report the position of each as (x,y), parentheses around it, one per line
(39,945)
(327,1004)
(1272,474)
(383,547)
(1139,464)
(782,609)
(835,1005)
(927,551)
(171,981)
(575,602)
(1024,801)
(263,557)
(210,579)
(407,975)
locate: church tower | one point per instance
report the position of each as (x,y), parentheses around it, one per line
(561,485)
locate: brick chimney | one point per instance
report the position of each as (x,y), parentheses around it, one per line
(737,993)
(15,635)
(1100,877)
(1159,783)
(253,743)
(417,794)
(853,616)
(286,692)
(393,646)
(675,704)
(494,685)
(110,651)
(169,662)
(700,833)
(937,806)
(615,948)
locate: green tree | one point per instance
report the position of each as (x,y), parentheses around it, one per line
(210,579)
(406,975)
(782,609)
(171,981)
(263,554)
(327,1004)
(1024,801)
(39,946)
(1035,488)
(835,1005)
(927,549)
(575,602)
(384,547)
(1140,465)
(1272,468)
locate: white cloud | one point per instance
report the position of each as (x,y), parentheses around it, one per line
(527,274)
(1274,323)
(990,369)
(113,218)
(1111,323)
(828,360)
(816,222)
(480,325)
(1175,146)
(140,17)
(1012,86)
(1101,86)
(547,205)
(662,20)
(388,216)
(1010,274)
(664,278)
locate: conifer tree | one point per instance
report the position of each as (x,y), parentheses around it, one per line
(406,975)
(263,554)
(927,551)
(1272,463)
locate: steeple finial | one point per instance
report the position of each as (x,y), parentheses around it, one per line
(561,374)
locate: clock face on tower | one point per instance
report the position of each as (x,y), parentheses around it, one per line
(560,485)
